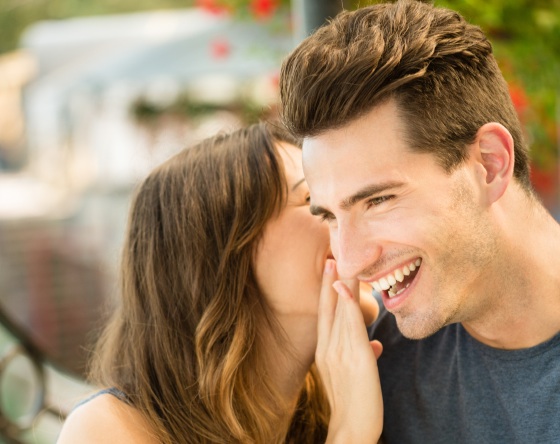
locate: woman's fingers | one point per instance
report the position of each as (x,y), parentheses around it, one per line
(327,304)
(348,321)
(348,366)
(377,348)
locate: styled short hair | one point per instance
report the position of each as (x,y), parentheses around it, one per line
(438,68)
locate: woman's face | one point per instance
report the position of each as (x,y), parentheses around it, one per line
(295,245)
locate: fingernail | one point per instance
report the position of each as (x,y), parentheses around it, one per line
(329,266)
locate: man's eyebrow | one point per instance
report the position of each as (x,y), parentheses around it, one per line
(365,192)
(298,183)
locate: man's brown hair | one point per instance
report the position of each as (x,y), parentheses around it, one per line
(438,68)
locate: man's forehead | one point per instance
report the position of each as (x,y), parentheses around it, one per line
(325,147)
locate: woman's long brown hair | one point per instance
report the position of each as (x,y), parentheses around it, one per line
(184,343)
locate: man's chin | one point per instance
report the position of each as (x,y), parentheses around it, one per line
(413,327)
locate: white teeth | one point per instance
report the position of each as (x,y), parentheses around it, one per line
(385,283)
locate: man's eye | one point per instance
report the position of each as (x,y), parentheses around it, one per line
(379,200)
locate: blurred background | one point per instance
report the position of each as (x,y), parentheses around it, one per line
(94,94)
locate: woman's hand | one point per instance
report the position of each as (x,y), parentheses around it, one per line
(347,362)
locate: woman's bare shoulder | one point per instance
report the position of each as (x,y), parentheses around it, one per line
(106,419)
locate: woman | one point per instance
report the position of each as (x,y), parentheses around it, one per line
(216,335)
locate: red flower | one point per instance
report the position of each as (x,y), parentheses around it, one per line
(263,9)
(519,98)
(275,80)
(220,48)
(211,6)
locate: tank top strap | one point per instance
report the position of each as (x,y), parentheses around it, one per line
(119,394)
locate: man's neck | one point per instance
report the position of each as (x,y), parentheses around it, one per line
(524,305)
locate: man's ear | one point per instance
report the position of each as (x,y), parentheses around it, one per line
(493,152)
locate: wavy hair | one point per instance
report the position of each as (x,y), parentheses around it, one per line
(185,342)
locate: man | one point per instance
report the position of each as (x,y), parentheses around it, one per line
(414,156)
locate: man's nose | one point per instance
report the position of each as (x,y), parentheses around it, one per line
(354,248)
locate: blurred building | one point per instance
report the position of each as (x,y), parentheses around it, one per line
(16,69)
(93,70)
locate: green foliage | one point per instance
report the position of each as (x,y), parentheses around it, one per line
(526,39)
(185,108)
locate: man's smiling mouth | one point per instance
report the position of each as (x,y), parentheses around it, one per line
(398,280)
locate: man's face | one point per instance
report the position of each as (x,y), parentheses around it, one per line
(399,221)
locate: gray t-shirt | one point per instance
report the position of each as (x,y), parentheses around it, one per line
(450,388)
